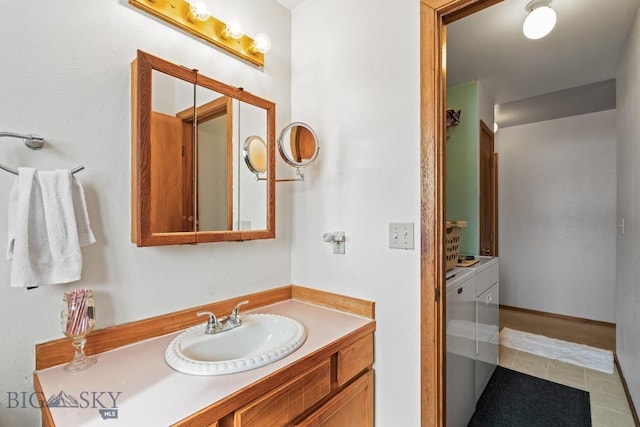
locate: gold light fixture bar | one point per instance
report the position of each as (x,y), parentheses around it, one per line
(178,13)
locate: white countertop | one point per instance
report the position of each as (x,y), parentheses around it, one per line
(483,263)
(152,393)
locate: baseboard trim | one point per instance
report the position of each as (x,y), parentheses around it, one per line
(559,316)
(632,407)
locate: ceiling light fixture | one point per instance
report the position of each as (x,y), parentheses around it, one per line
(540,20)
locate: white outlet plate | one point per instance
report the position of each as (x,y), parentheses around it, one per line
(401,235)
(338,242)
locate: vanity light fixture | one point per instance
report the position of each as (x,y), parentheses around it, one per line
(540,20)
(193,17)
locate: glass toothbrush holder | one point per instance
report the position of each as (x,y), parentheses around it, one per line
(77,318)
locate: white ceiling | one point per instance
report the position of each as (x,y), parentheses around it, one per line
(584,48)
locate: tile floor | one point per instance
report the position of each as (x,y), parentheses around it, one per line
(609,407)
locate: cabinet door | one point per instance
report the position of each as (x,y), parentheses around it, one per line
(352,407)
(488,337)
(461,354)
(282,405)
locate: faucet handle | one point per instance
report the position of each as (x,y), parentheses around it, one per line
(235,313)
(212,324)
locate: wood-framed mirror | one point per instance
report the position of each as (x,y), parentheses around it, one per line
(188,185)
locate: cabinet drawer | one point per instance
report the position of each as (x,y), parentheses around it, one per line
(290,400)
(487,278)
(354,359)
(487,310)
(352,407)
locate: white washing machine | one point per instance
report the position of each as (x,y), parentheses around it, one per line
(461,346)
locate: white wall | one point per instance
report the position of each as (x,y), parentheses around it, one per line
(486,106)
(628,268)
(557,215)
(359,89)
(65,75)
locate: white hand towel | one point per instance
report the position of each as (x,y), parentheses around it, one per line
(48,223)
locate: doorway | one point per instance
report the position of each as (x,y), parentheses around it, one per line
(434,15)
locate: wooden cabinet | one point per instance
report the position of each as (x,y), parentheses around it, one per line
(354,359)
(351,407)
(285,403)
(337,392)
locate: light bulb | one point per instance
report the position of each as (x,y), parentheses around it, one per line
(539,22)
(199,11)
(261,43)
(495,127)
(233,29)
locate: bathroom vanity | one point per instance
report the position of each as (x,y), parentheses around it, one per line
(328,381)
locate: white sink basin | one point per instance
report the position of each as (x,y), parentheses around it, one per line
(260,340)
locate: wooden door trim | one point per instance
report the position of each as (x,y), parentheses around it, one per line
(496,193)
(434,15)
(484,198)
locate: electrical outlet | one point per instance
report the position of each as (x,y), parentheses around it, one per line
(338,242)
(401,235)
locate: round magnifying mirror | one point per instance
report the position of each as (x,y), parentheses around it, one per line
(254,152)
(298,144)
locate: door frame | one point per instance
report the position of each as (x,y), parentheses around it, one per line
(434,15)
(488,200)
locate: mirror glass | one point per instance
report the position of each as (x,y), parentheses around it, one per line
(298,144)
(170,134)
(213,159)
(189,135)
(254,152)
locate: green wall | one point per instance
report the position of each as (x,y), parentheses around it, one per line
(462,164)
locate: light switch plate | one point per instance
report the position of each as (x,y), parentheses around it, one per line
(401,235)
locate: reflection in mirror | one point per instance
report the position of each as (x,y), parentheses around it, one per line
(298,144)
(213,160)
(171,200)
(252,193)
(254,152)
(188,185)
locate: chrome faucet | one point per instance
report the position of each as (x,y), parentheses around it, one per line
(215,326)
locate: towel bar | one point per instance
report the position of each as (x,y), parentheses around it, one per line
(33,142)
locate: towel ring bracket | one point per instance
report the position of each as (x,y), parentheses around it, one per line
(33,142)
